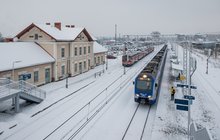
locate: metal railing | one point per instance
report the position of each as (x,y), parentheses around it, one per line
(31,89)
(9,87)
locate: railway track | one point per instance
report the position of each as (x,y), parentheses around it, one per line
(82,123)
(139,116)
(51,108)
(98,107)
(78,127)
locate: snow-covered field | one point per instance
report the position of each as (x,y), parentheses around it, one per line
(100,108)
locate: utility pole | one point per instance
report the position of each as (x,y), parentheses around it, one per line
(189,84)
(13,69)
(124,55)
(115,34)
(207,66)
(66,80)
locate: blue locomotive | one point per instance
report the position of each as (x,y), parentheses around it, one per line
(147,83)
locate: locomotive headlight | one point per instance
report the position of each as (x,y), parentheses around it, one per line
(144,76)
(149,96)
(137,95)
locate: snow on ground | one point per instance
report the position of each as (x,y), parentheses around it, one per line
(204,111)
(165,122)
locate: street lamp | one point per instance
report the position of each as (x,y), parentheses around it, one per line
(107,59)
(209,55)
(13,69)
(124,53)
(66,80)
(103,64)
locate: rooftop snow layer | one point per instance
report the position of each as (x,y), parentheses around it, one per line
(65,33)
(27,52)
(98,48)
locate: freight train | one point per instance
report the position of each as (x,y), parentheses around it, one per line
(148,81)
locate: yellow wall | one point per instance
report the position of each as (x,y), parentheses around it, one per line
(30,35)
(54,49)
(39,68)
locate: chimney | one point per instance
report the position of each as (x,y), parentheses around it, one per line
(57,25)
(47,23)
(72,26)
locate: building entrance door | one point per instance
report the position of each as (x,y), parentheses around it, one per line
(80,67)
(47,75)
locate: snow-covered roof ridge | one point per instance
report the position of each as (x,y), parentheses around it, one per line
(29,53)
(98,48)
(63,34)
(66,33)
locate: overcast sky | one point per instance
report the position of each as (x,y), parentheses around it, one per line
(100,16)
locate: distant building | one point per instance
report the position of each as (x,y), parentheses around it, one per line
(71,47)
(25,58)
(155,35)
(181,37)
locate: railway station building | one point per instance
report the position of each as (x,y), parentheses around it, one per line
(70,46)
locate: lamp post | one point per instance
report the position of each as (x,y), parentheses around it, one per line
(13,78)
(125,44)
(107,59)
(209,55)
(13,69)
(103,64)
(66,80)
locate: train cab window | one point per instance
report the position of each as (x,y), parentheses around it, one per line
(143,85)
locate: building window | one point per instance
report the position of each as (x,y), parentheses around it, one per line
(62,52)
(89,49)
(95,60)
(76,67)
(102,59)
(84,64)
(36,76)
(63,70)
(75,51)
(89,63)
(98,60)
(80,51)
(84,50)
(36,36)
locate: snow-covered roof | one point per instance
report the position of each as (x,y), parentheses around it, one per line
(97,48)
(65,34)
(29,53)
(177,66)
(94,38)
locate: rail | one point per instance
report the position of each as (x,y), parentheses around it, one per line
(100,100)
